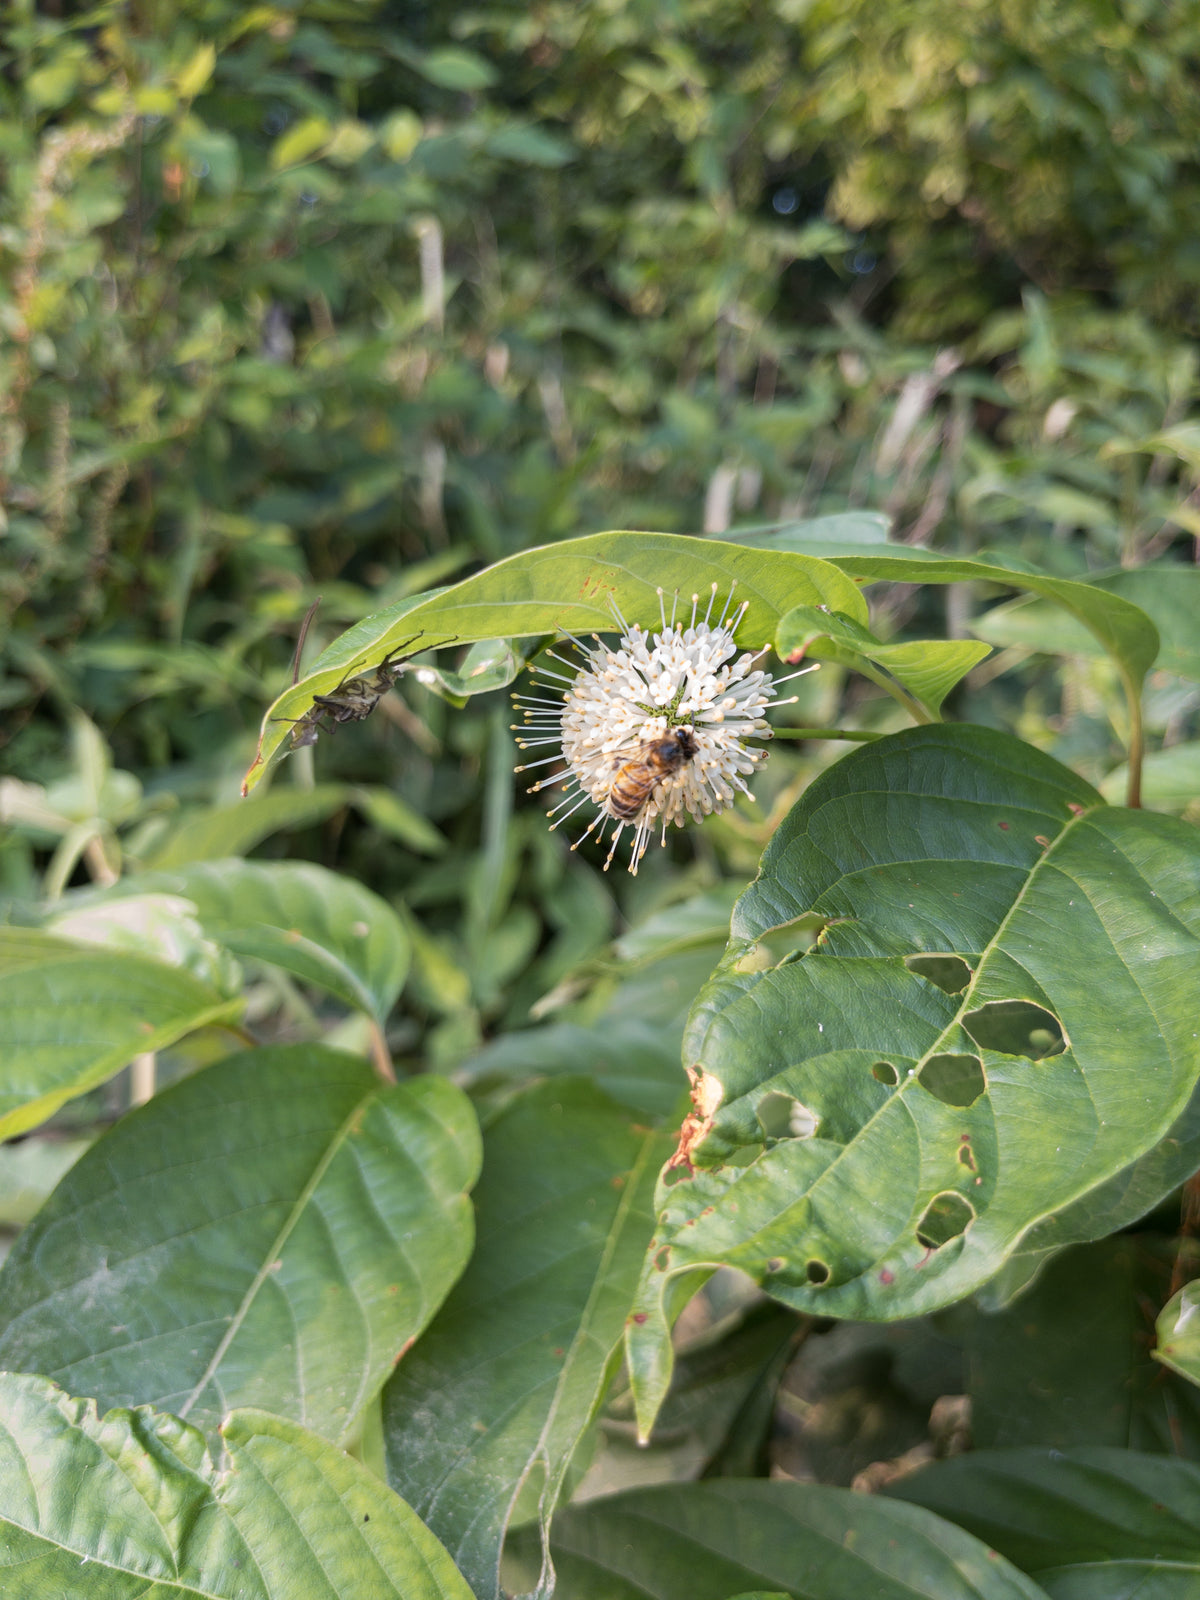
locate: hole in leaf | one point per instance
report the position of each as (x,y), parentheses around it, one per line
(816,1271)
(781,1116)
(946,1217)
(954,1080)
(1016,1028)
(950,973)
(885,1072)
(789,942)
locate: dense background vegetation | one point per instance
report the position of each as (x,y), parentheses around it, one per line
(350,299)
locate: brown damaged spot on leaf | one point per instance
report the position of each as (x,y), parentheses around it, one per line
(706,1097)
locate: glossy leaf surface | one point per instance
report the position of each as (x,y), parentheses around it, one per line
(881,1118)
(72,1015)
(506,1379)
(131,1507)
(705,1541)
(275,1228)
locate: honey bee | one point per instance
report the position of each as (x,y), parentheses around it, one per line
(635,781)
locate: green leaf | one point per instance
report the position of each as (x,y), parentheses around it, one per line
(223,831)
(387,812)
(1170,778)
(705,1541)
(569,587)
(132,1506)
(1069,1362)
(1097,1524)
(1178,1332)
(1122,628)
(72,1015)
(828,537)
(300,142)
(630,1049)
(508,1375)
(275,1228)
(1168,593)
(323,928)
(927,668)
(979,910)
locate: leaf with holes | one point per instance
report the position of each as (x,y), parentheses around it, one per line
(510,1372)
(274,1230)
(997,1018)
(566,587)
(132,1505)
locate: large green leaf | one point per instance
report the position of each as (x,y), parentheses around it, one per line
(509,1373)
(1096,1524)
(927,668)
(705,1541)
(326,929)
(881,1120)
(131,1507)
(569,587)
(274,1230)
(72,1015)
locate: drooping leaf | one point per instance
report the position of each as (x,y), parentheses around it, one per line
(1098,1524)
(927,668)
(1168,593)
(510,1372)
(131,1505)
(324,928)
(1123,629)
(705,1541)
(570,587)
(72,1015)
(952,1055)
(275,1228)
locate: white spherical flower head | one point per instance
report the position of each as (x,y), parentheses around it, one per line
(654,730)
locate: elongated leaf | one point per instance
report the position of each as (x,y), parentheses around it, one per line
(927,668)
(508,1375)
(131,1507)
(326,929)
(72,1016)
(276,1228)
(1097,1524)
(1123,629)
(705,1541)
(230,830)
(1168,593)
(570,587)
(879,1122)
